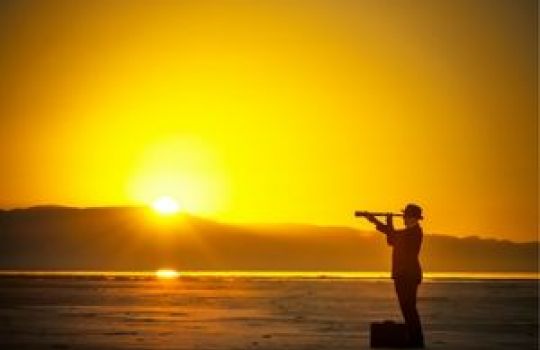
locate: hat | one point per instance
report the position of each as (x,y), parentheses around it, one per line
(412,210)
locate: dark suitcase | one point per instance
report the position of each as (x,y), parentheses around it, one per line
(388,334)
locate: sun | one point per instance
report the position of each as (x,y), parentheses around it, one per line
(166,205)
(185,169)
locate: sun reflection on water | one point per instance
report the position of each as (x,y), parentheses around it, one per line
(166,274)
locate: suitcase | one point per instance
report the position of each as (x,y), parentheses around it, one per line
(388,334)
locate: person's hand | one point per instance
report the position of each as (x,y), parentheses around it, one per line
(371,218)
(389,219)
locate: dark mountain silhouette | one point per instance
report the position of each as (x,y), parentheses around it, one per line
(133,238)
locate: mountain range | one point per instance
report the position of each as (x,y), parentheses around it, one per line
(136,239)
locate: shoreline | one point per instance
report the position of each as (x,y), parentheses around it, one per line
(366,275)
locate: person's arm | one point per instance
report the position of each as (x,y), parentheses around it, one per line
(378,224)
(390,231)
(387,229)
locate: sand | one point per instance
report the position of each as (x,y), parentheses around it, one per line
(257,313)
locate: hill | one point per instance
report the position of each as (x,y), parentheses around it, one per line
(133,238)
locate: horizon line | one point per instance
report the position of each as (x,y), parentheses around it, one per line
(377,275)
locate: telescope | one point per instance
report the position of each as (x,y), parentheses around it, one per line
(363,213)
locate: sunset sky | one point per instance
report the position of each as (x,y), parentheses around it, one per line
(276,111)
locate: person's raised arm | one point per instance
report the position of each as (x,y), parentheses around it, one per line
(389,230)
(384,228)
(371,218)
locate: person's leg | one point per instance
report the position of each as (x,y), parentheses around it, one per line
(406,291)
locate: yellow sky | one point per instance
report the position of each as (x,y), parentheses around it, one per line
(275,111)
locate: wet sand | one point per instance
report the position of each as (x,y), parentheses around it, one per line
(257,313)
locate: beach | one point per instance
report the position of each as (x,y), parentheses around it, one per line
(247,312)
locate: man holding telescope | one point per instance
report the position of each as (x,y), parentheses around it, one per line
(406,269)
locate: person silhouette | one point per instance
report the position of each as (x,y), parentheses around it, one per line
(406,269)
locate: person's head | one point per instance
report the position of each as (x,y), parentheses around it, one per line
(412,214)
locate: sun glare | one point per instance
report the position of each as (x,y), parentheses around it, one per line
(182,168)
(166,206)
(166,274)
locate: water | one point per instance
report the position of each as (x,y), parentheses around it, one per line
(257,311)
